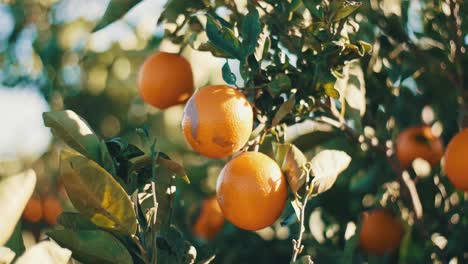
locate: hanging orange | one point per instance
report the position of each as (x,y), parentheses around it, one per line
(165,79)
(251,191)
(210,220)
(456,165)
(217,121)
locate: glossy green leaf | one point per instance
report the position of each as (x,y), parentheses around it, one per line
(250,32)
(96,194)
(15,192)
(326,166)
(292,161)
(74,131)
(115,10)
(75,221)
(45,252)
(92,246)
(228,76)
(223,39)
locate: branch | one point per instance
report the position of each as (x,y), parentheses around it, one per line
(297,243)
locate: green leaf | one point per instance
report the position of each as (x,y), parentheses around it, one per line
(45,252)
(292,161)
(283,110)
(106,158)
(92,246)
(74,131)
(250,32)
(326,166)
(304,260)
(16,242)
(15,192)
(163,160)
(96,194)
(76,221)
(115,10)
(173,248)
(228,76)
(280,83)
(223,38)
(341,9)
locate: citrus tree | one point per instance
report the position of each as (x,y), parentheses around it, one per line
(335,136)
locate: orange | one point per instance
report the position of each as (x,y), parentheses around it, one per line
(210,221)
(33,210)
(456,165)
(217,121)
(165,79)
(419,142)
(380,232)
(251,191)
(51,209)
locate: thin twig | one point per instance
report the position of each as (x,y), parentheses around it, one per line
(297,243)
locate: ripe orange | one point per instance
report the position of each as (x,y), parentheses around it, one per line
(456,166)
(210,221)
(419,142)
(33,210)
(217,121)
(51,209)
(165,79)
(380,232)
(251,191)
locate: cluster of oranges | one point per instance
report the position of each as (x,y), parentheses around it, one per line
(47,208)
(251,190)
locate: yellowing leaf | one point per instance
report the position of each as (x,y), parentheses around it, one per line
(15,192)
(326,166)
(96,194)
(292,160)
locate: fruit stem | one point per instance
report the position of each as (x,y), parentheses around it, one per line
(297,243)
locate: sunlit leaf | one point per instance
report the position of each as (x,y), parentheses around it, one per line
(6,255)
(115,10)
(95,193)
(352,87)
(92,246)
(326,166)
(223,38)
(74,131)
(292,160)
(15,192)
(46,252)
(343,8)
(283,110)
